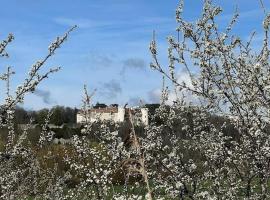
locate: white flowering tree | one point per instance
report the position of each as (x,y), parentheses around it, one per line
(232,82)
(21,174)
(183,154)
(105,167)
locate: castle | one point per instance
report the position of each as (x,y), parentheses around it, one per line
(117,114)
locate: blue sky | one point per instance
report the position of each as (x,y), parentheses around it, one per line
(109,50)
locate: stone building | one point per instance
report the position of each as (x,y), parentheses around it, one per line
(116,114)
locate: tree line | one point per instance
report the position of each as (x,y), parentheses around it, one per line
(59,115)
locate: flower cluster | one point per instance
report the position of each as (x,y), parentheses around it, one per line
(232,84)
(22,173)
(217,147)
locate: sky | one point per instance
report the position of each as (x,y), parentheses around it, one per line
(109,51)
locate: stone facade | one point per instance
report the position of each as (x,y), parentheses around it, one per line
(116,114)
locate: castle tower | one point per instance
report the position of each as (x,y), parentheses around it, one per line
(121,114)
(145,119)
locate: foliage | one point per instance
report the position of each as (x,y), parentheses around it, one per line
(60,115)
(21,174)
(233,82)
(214,148)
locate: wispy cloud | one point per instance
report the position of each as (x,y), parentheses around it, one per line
(154,95)
(133,63)
(242,15)
(111,89)
(45,95)
(159,20)
(80,22)
(99,60)
(89,23)
(136,101)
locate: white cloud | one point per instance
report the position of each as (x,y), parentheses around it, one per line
(154,95)
(182,77)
